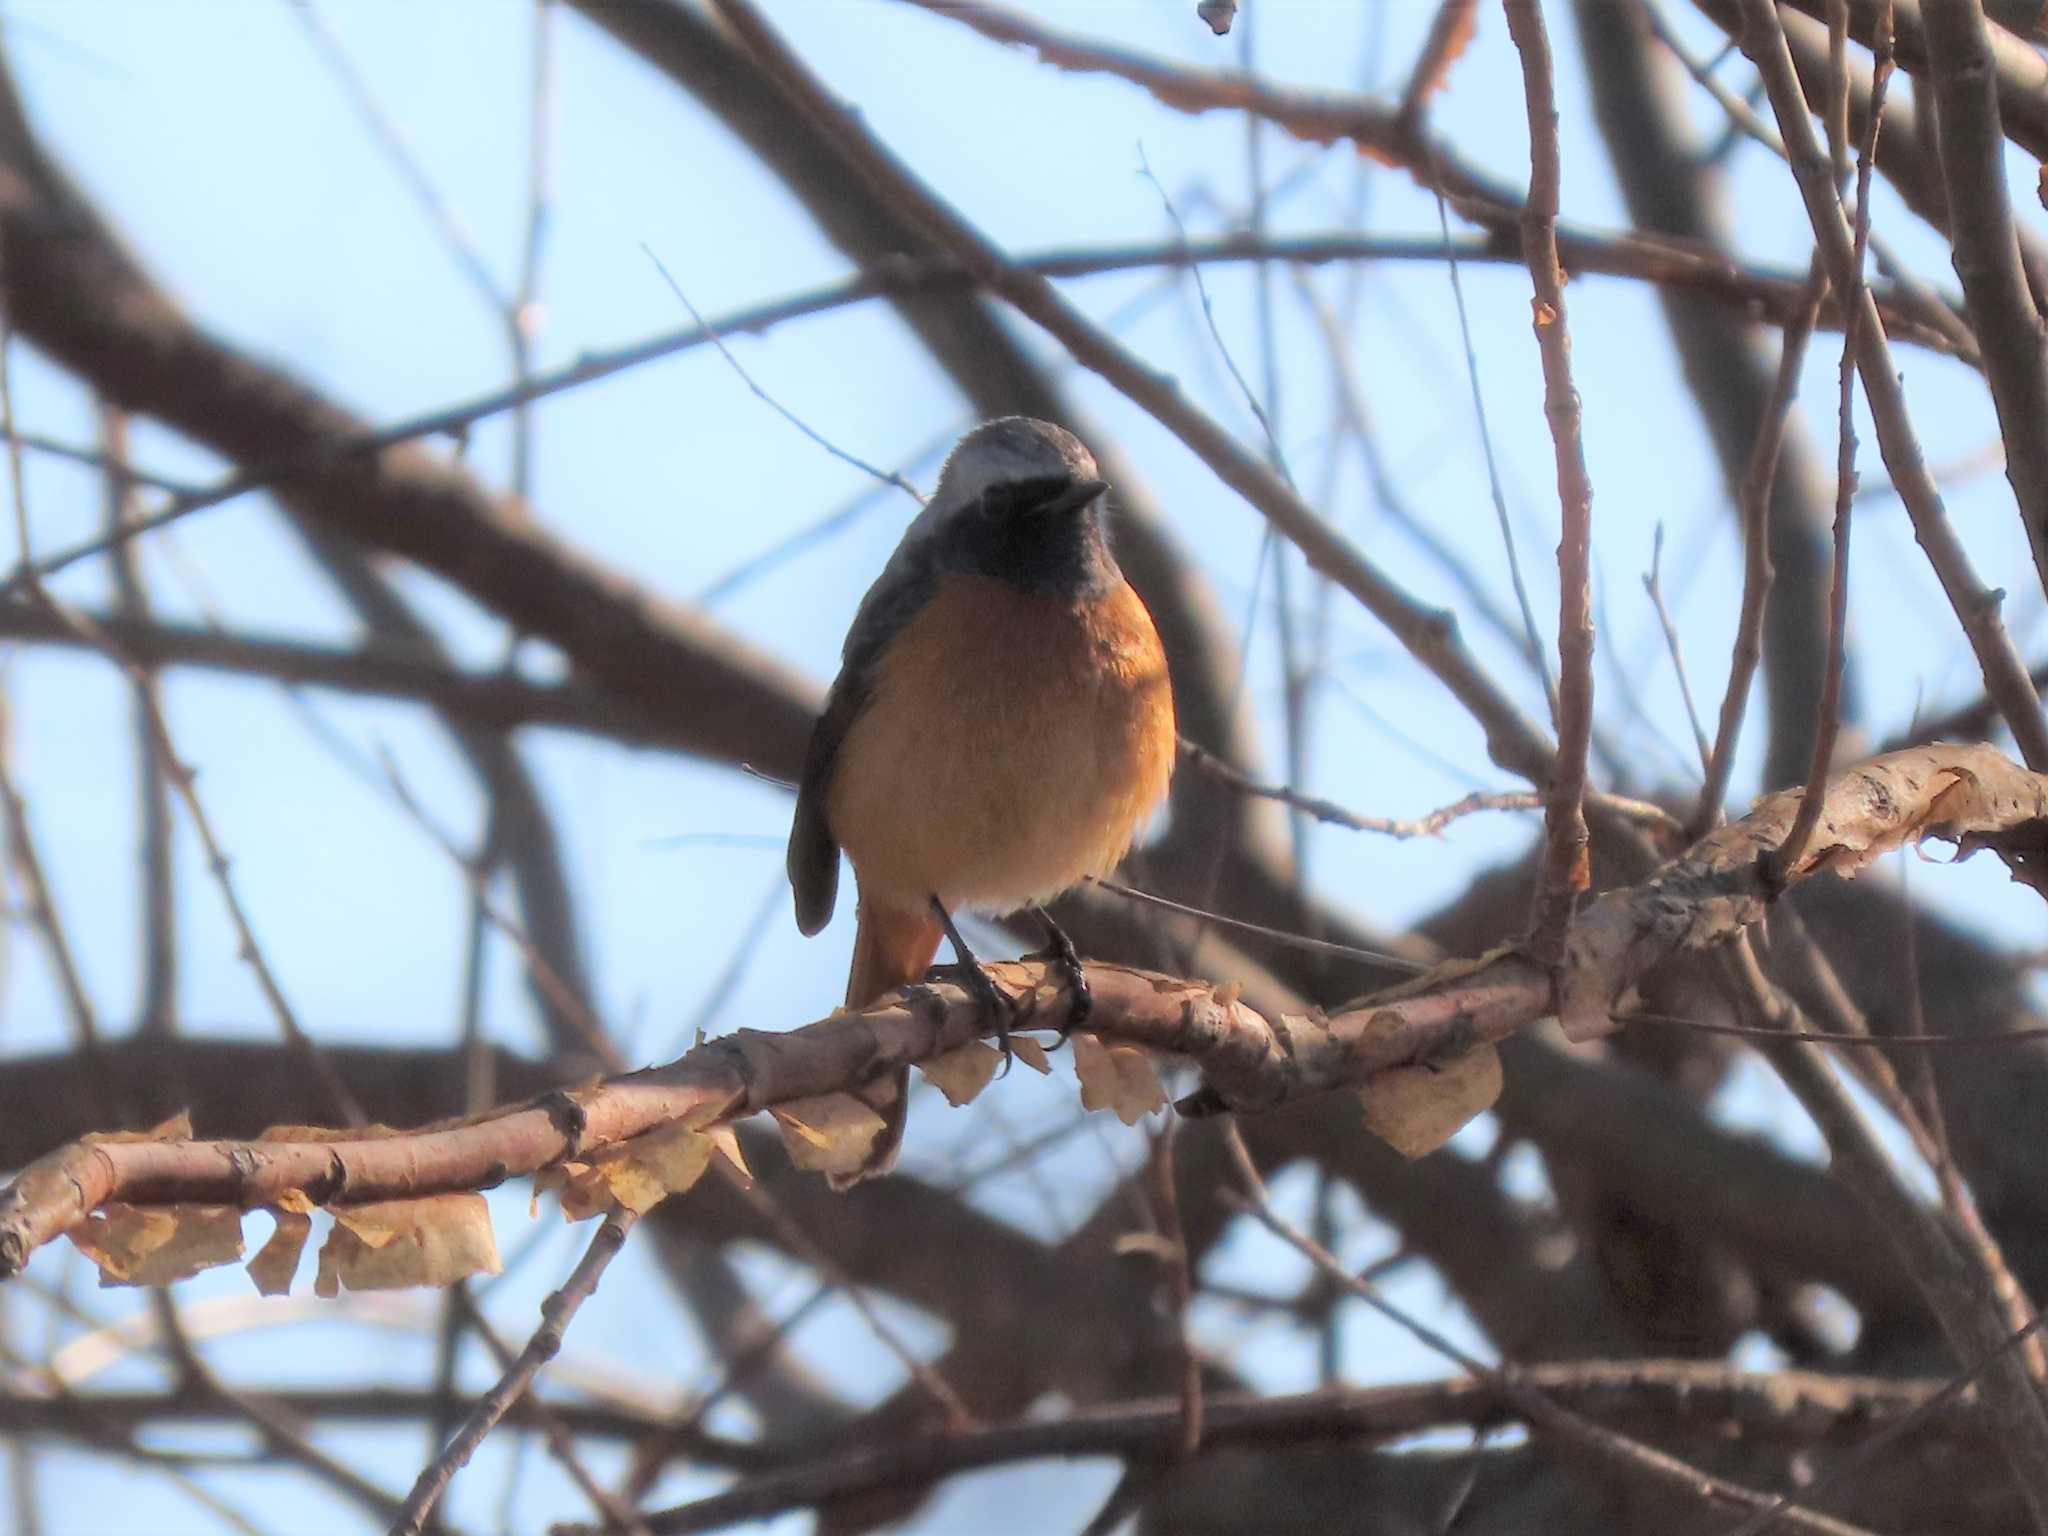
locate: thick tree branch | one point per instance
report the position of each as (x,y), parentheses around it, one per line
(1971,795)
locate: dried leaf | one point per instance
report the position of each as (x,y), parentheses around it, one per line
(387,1244)
(1118,1077)
(277,1261)
(1415,1110)
(1031,1053)
(582,1189)
(830,1133)
(648,1169)
(725,1142)
(158,1244)
(961,1075)
(1218,14)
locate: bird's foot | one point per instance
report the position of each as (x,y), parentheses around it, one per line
(1060,951)
(995,1002)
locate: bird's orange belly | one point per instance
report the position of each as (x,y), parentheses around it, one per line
(1013,745)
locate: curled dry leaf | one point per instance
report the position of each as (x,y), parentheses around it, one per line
(156,1245)
(1415,1110)
(1118,1077)
(277,1261)
(830,1133)
(961,1075)
(1031,1053)
(388,1244)
(638,1174)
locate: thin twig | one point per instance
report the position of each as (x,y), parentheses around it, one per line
(1971,145)
(1761,295)
(556,1314)
(1653,818)
(1566,869)
(1430,635)
(1163,1185)
(1628,1457)
(886,476)
(1501,520)
(546,979)
(1828,714)
(181,777)
(618,1514)
(1759,481)
(1653,584)
(159,892)
(1976,606)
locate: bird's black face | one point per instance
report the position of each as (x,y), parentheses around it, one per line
(1043,534)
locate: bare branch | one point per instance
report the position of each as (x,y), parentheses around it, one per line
(1971,141)
(1567,867)
(1828,715)
(557,1312)
(1975,605)
(1248,1062)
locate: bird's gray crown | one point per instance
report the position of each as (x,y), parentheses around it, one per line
(1010,450)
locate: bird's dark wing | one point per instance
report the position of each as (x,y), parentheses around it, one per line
(904,587)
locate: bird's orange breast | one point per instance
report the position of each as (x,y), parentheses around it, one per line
(1012,744)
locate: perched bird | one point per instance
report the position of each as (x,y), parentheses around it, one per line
(1000,727)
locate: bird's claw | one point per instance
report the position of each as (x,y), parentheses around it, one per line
(994,1001)
(1060,951)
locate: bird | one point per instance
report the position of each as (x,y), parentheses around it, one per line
(1000,729)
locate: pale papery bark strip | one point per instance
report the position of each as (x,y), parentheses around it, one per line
(1969,794)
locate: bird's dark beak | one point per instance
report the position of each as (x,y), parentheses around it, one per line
(1074,497)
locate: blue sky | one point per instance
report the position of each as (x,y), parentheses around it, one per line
(218,139)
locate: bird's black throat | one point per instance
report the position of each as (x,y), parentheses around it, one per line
(1011,536)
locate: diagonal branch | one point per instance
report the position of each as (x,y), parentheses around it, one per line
(1429,635)
(1975,605)
(1971,143)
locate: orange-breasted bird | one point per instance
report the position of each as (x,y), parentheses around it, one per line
(1000,728)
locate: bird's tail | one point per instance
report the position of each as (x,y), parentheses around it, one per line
(891,949)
